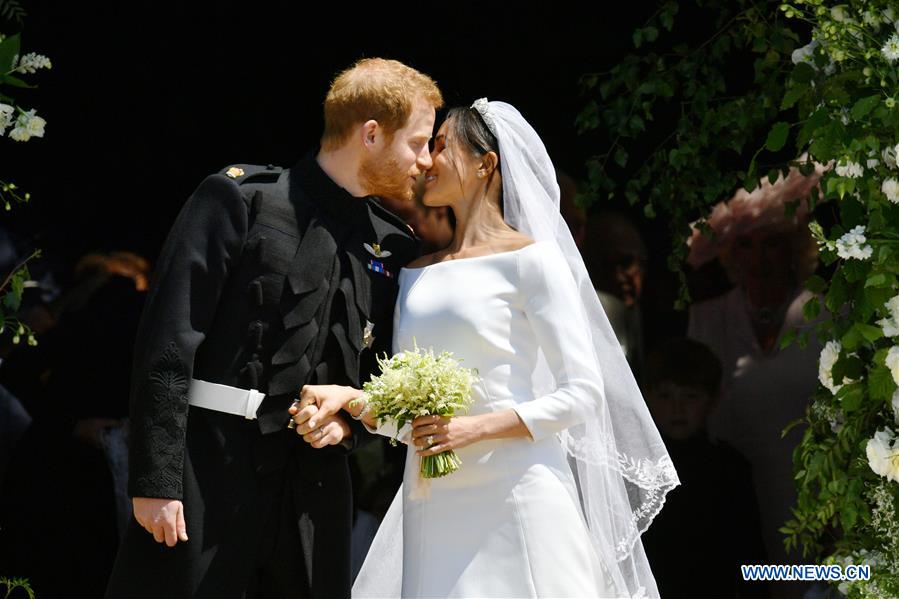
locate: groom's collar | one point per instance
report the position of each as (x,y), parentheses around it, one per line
(335,201)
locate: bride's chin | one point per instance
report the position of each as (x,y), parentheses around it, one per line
(430,200)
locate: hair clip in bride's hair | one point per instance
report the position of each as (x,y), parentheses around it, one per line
(483,108)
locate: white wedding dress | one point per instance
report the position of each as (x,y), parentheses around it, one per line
(508,523)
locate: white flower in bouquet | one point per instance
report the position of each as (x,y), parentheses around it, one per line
(829,355)
(889,16)
(848,168)
(890,324)
(31,62)
(894,402)
(852,245)
(418,383)
(28,125)
(890,49)
(871,19)
(883,454)
(892,362)
(890,189)
(6,112)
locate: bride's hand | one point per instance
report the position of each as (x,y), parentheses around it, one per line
(319,403)
(436,434)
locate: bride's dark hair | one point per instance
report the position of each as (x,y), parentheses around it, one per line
(468,127)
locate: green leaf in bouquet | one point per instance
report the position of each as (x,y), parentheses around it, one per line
(9,50)
(14,82)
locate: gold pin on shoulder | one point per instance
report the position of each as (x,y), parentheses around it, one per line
(234,172)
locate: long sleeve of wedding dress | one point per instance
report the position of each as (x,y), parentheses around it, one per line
(552,296)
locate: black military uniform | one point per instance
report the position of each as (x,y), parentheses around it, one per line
(270,279)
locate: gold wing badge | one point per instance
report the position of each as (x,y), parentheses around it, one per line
(376,251)
(376,265)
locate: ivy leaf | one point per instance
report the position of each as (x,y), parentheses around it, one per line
(777,137)
(621,157)
(864,106)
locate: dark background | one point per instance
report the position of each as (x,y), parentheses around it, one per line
(146,98)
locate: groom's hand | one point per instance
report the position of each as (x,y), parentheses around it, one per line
(318,403)
(163,518)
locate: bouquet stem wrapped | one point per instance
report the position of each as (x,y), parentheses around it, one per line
(419,383)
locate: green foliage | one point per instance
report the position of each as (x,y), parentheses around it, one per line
(12,11)
(16,584)
(749,97)
(23,125)
(679,170)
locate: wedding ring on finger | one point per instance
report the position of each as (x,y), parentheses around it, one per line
(429,440)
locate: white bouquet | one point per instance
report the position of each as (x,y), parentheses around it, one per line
(418,383)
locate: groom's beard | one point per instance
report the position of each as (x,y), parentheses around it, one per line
(383,177)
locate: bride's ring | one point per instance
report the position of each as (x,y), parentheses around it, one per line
(429,440)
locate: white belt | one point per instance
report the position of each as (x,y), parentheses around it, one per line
(222,398)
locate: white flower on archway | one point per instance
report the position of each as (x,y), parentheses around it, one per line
(883,454)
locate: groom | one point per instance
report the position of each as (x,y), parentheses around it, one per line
(269,280)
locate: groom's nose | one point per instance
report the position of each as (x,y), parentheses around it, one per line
(424,160)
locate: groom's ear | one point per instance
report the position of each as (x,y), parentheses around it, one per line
(370,132)
(488,162)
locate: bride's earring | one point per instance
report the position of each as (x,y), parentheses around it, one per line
(481,174)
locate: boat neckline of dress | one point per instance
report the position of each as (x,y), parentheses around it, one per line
(515,251)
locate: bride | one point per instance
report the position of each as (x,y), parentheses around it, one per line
(562,467)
